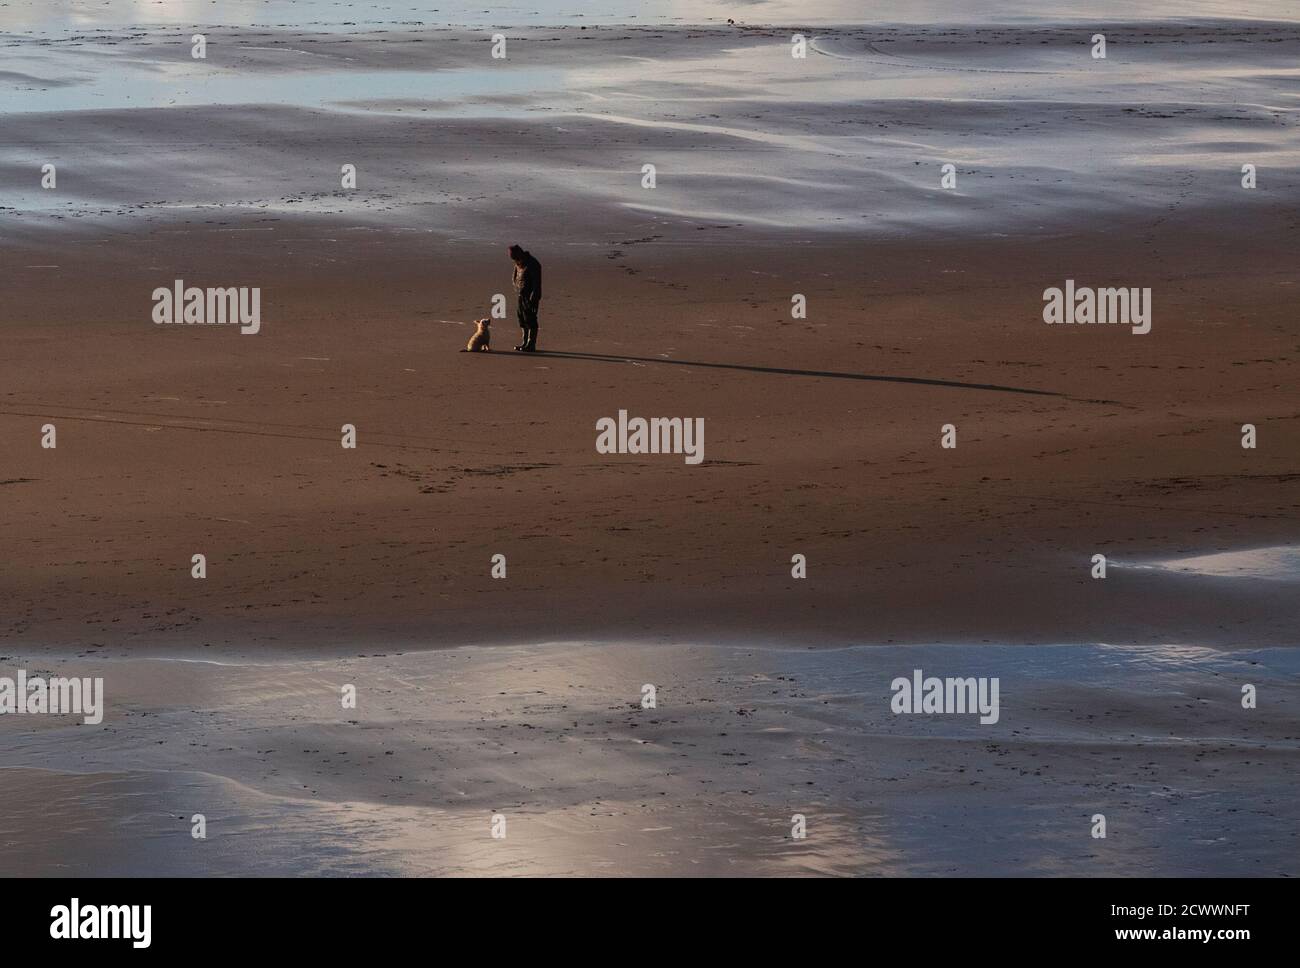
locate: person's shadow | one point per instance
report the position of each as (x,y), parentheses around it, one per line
(785,371)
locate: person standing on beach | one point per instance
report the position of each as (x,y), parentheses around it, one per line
(528,288)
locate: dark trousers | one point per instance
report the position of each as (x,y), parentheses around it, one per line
(528,322)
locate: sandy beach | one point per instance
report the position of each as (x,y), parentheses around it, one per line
(1071,443)
(775,176)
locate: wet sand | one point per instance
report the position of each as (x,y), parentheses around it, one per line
(553,738)
(1071,442)
(549,143)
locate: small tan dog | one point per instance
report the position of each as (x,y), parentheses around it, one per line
(481,341)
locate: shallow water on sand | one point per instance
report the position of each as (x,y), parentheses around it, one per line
(1279,563)
(850,140)
(38,15)
(554,738)
(174,87)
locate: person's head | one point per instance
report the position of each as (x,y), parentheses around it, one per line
(517,253)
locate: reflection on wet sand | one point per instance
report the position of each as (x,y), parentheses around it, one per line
(554,738)
(1280,563)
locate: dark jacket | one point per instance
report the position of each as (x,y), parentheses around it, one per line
(528,278)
